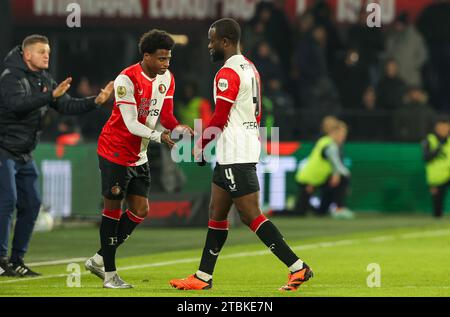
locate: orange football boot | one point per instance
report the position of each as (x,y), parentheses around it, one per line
(297,278)
(192,282)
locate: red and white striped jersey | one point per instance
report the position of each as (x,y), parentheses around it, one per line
(133,87)
(238,82)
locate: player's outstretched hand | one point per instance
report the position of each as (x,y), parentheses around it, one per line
(105,93)
(182,128)
(165,138)
(197,152)
(62,88)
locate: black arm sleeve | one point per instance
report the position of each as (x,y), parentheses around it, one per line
(68,105)
(15,97)
(429,155)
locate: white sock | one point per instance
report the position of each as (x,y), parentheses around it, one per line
(109,275)
(203,276)
(98,259)
(298,265)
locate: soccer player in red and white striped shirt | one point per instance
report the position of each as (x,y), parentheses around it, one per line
(143,112)
(237,114)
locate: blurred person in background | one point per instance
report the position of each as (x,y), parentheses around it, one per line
(351,78)
(407,46)
(191,106)
(315,87)
(325,171)
(323,16)
(269,65)
(371,123)
(391,88)
(369,42)
(436,154)
(412,121)
(434,25)
(27,90)
(91,123)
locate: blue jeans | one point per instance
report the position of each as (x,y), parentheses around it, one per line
(18,189)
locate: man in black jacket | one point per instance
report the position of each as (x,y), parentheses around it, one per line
(27,91)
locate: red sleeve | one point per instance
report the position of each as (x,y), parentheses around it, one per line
(205,110)
(219,118)
(166,117)
(227,84)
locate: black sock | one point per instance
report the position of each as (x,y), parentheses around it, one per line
(127,223)
(272,238)
(108,241)
(215,239)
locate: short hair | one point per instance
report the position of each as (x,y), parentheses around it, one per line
(228,28)
(328,123)
(339,125)
(33,39)
(155,39)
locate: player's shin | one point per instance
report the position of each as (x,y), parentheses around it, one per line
(215,239)
(127,223)
(108,238)
(272,238)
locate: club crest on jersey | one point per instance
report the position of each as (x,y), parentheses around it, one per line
(162,89)
(222,84)
(121,91)
(116,190)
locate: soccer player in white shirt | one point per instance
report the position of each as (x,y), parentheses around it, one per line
(237,114)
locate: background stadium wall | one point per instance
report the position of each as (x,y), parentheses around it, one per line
(386,177)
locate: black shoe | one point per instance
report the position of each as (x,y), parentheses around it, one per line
(6,268)
(22,270)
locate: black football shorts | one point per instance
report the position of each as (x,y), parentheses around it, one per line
(119,180)
(237,179)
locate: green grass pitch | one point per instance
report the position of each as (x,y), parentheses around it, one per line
(411,252)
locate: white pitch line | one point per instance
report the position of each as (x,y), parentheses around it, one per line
(63,261)
(325,244)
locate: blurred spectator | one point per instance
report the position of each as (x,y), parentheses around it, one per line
(323,16)
(253,34)
(351,78)
(268,66)
(371,124)
(406,45)
(316,88)
(277,30)
(68,133)
(436,154)
(391,87)
(434,23)
(191,106)
(413,120)
(91,123)
(325,171)
(369,42)
(369,99)
(327,124)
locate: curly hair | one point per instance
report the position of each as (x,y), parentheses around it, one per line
(155,39)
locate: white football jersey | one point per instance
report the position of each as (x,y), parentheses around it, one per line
(238,82)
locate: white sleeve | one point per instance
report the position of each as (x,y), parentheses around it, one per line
(130,118)
(124,90)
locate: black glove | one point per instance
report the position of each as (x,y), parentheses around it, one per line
(202,162)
